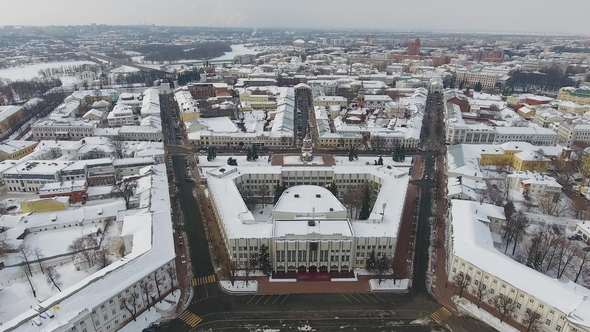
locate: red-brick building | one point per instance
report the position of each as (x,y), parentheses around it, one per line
(201,90)
(75,190)
(414,47)
(538,100)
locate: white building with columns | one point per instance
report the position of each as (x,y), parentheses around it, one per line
(308,229)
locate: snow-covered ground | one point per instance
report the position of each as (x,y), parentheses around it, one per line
(32,71)
(240,286)
(169,301)
(262,212)
(482,315)
(16,296)
(389,285)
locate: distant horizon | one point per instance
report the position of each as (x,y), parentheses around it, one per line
(347,29)
(501,16)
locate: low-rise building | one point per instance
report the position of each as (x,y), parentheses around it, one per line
(62,129)
(75,190)
(9,115)
(45,205)
(121,116)
(533,184)
(328,101)
(574,131)
(30,176)
(14,150)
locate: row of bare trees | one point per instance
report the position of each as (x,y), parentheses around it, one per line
(549,249)
(504,304)
(29,256)
(145,296)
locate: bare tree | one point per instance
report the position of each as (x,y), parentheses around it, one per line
(158,282)
(53,277)
(552,205)
(26,270)
(504,304)
(580,207)
(3,245)
(531,321)
(480,292)
(38,255)
(584,256)
(124,189)
(567,251)
(230,271)
(24,255)
(94,154)
(85,249)
(117,144)
(130,303)
(171,274)
(102,260)
(147,287)
(461,281)
(248,268)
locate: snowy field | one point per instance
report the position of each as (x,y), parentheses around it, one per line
(32,71)
(16,296)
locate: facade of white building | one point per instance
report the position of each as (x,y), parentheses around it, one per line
(562,306)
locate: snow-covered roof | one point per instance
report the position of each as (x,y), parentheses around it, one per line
(8,111)
(472,241)
(326,227)
(306,199)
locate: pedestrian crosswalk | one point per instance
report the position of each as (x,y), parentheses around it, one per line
(190,319)
(204,280)
(440,315)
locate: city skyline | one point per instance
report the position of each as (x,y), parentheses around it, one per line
(452,16)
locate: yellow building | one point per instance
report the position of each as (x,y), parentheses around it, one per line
(9,116)
(251,101)
(577,95)
(328,101)
(518,155)
(45,205)
(15,150)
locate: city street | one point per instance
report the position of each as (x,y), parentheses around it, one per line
(211,308)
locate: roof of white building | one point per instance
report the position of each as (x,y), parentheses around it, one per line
(12,146)
(8,111)
(306,199)
(472,242)
(321,227)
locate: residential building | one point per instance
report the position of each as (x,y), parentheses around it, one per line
(187,104)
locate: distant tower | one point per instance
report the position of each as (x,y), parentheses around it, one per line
(360,98)
(414,47)
(307,148)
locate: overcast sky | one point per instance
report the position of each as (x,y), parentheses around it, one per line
(536,16)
